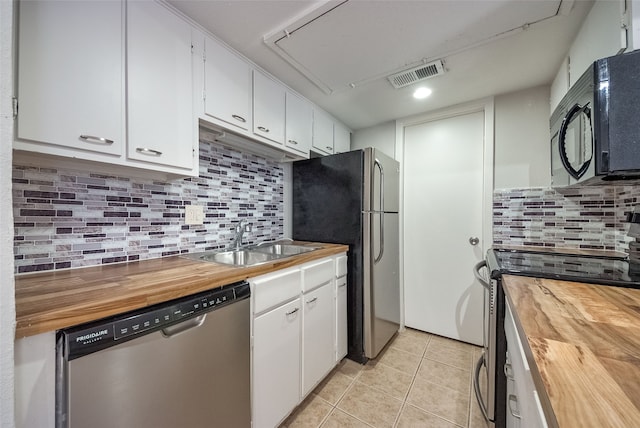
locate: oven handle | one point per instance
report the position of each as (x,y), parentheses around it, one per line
(478,275)
(476,387)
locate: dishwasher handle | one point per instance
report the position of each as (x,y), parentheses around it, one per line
(174,330)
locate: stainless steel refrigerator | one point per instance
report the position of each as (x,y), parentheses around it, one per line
(352,198)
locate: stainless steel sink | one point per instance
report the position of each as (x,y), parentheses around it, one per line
(284,250)
(235,258)
(252,256)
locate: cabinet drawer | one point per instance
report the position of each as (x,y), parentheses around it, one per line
(317,274)
(341,266)
(271,290)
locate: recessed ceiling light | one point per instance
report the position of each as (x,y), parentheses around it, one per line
(421,93)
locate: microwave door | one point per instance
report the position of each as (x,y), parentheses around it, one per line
(575,141)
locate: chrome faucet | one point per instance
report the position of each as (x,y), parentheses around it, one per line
(240,229)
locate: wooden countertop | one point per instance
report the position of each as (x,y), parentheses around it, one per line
(50,301)
(583,347)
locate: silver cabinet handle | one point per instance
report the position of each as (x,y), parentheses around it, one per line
(513,399)
(344,284)
(239,118)
(293,311)
(147,151)
(312,300)
(329,148)
(293,142)
(263,129)
(93,139)
(474,240)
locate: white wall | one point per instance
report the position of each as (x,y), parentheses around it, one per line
(635,24)
(7,286)
(560,84)
(522,139)
(382,137)
(600,36)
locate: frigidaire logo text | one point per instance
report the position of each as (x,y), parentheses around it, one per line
(94,335)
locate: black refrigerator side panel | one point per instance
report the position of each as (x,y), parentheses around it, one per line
(327,198)
(327,207)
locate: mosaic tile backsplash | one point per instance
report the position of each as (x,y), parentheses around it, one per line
(588,217)
(67,219)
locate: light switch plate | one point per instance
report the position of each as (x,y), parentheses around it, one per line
(193,214)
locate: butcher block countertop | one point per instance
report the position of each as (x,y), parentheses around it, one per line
(583,347)
(50,301)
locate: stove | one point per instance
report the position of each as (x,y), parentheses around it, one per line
(594,269)
(616,271)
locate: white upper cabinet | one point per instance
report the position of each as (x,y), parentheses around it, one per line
(322,132)
(87,92)
(160,108)
(227,86)
(299,124)
(341,138)
(70,76)
(268,108)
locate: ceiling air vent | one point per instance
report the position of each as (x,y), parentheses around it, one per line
(416,74)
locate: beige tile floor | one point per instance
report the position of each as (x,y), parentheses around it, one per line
(419,380)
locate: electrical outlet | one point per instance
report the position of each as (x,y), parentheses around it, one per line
(193,214)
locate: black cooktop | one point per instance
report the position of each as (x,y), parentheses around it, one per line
(616,271)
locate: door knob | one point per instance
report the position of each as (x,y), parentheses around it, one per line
(474,241)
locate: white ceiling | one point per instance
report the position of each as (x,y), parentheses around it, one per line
(338,53)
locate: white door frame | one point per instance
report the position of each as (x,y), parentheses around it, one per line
(485,105)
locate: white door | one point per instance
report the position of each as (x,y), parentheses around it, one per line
(443,194)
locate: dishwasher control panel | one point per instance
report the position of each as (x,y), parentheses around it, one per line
(95,336)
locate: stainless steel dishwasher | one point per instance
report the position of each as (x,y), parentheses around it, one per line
(184,363)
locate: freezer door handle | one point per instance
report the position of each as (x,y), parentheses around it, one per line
(377,163)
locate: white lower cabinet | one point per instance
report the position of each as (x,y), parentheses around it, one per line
(294,336)
(341,318)
(276,363)
(35,380)
(341,308)
(317,335)
(524,409)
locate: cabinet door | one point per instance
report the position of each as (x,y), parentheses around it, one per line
(341,318)
(299,124)
(227,85)
(268,108)
(318,351)
(159,96)
(341,138)
(322,132)
(70,75)
(276,364)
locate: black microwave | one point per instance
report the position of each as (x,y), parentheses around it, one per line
(595,130)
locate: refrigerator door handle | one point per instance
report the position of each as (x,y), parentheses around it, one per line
(381,253)
(377,163)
